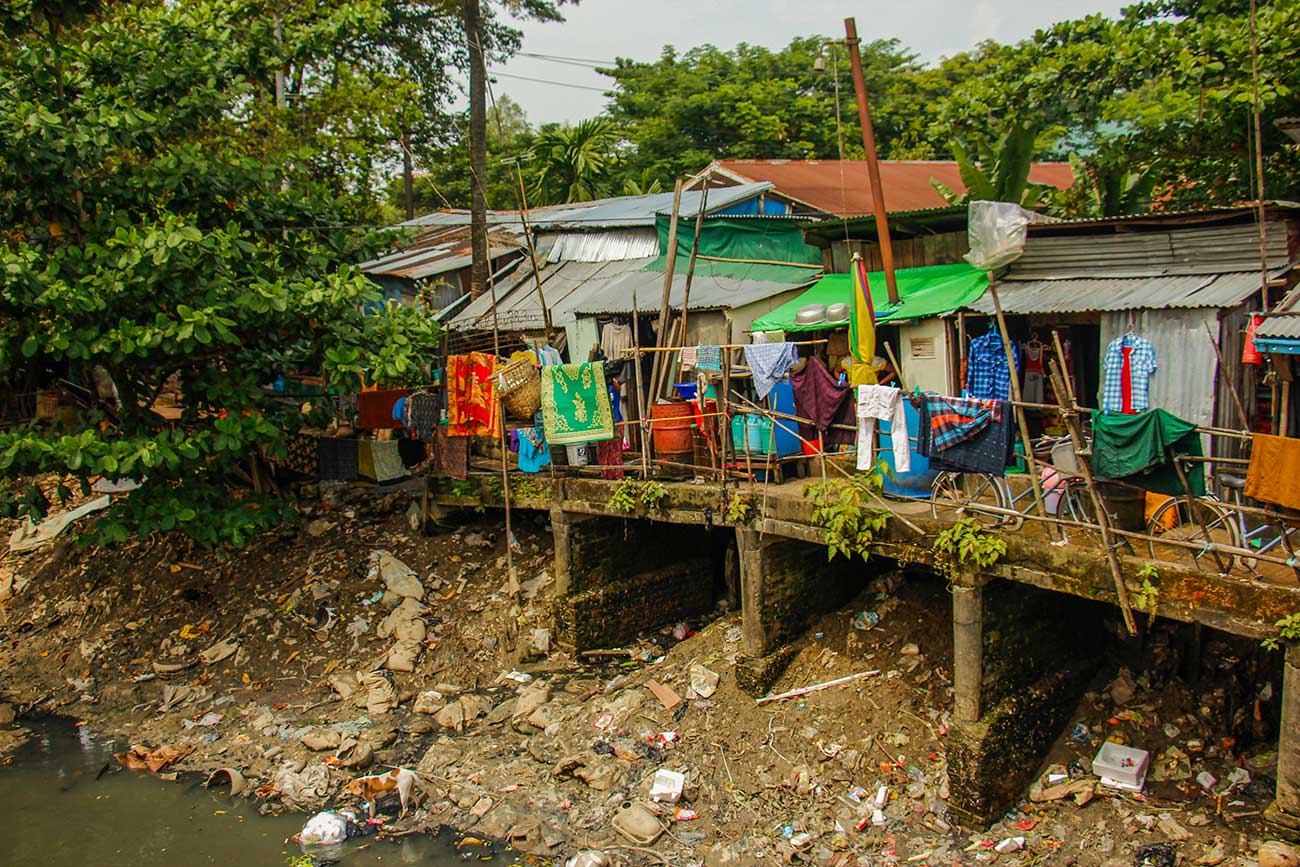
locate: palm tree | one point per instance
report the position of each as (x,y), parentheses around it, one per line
(646,185)
(1001,173)
(574,163)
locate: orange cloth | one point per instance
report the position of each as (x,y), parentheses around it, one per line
(1274,473)
(1153,502)
(472,405)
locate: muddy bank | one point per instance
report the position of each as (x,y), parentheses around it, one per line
(285,661)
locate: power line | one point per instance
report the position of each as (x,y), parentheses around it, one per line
(580,63)
(561,57)
(547,81)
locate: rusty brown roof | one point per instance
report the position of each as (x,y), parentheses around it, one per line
(841,187)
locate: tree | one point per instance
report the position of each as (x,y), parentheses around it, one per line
(684,110)
(574,164)
(168,227)
(1103,188)
(1000,170)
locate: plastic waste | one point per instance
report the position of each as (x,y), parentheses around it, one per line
(997,232)
(590,858)
(865,620)
(667,786)
(323,829)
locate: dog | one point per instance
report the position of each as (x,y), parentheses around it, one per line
(371,788)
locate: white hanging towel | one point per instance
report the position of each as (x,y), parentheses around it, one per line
(884,403)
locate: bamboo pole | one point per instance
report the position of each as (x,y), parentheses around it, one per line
(898,369)
(1022,420)
(672,364)
(1069,414)
(670,263)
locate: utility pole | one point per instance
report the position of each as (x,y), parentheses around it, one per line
(477,149)
(408,175)
(873,164)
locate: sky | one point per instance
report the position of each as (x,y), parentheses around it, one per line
(601,30)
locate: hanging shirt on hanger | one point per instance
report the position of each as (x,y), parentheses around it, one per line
(1032,390)
(987,376)
(614,339)
(1130,361)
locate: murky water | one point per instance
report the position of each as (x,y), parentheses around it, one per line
(59,811)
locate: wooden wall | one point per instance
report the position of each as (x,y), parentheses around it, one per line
(945,249)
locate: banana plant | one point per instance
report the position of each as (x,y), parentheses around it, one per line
(998,171)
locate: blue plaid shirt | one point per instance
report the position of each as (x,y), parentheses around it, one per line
(1141,362)
(987,376)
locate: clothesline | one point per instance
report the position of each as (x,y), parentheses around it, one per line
(644,349)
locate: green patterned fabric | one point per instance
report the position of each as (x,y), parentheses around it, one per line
(575,404)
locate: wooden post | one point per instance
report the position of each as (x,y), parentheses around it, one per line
(695,254)
(1035,479)
(670,263)
(873,164)
(1069,414)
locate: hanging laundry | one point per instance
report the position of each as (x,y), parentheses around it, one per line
(412,452)
(379,460)
(990,451)
(1130,361)
(449,455)
(375,409)
(1140,449)
(987,375)
(882,403)
(399,411)
(1274,472)
(422,414)
(614,339)
(819,397)
(768,363)
(534,451)
(953,420)
(1032,390)
(575,404)
(472,407)
(709,358)
(610,454)
(338,459)
(549,355)
(689,356)
(302,454)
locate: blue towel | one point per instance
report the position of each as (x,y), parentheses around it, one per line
(768,363)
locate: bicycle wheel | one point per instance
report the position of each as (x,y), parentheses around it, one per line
(1076,504)
(964,493)
(1201,523)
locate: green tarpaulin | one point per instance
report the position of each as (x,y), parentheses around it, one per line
(755,242)
(926,291)
(1140,449)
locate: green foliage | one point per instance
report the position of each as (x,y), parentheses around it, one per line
(574,164)
(840,509)
(1288,629)
(634,494)
(965,546)
(170,228)
(740,508)
(999,171)
(1148,595)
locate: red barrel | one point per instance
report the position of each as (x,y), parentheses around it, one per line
(671,423)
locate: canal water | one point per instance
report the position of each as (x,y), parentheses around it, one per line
(60,811)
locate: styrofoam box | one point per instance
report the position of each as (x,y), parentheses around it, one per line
(1121,766)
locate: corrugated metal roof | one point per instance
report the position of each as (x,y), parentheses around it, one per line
(708,292)
(629,211)
(565,284)
(1122,293)
(606,245)
(1279,326)
(842,187)
(438,251)
(1193,250)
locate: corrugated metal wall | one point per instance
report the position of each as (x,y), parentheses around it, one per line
(1186,370)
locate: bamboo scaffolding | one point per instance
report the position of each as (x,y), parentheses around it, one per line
(1069,413)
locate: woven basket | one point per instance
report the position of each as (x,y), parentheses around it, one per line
(515,375)
(521,388)
(524,402)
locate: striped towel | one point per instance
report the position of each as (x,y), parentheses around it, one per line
(956,419)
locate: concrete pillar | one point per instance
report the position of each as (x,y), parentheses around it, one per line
(1287,802)
(967,651)
(752,571)
(562,530)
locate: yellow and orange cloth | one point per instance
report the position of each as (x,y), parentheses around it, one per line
(472,405)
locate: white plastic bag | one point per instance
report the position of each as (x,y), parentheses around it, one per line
(323,829)
(997,233)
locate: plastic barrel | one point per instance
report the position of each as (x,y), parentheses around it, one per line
(672,428)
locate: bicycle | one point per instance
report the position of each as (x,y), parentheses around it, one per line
(1210,519)
(965,493)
